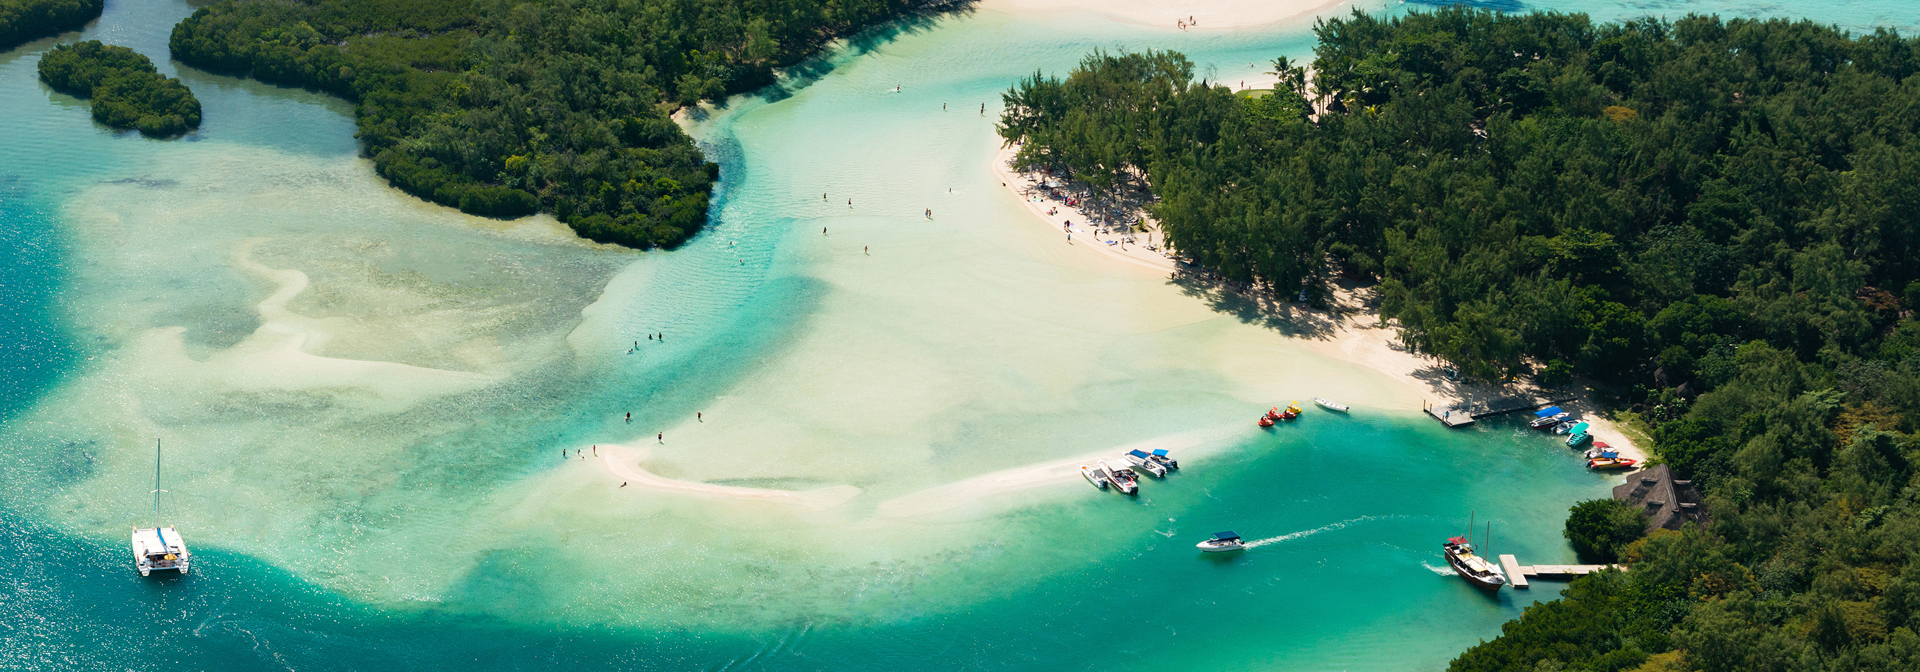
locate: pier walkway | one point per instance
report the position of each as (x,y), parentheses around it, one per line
(1463,415)
(1517,573)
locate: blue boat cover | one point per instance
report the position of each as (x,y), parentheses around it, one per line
(1136,453)
(1547,412)
(1225,535)
(1609,455)
(1160,451)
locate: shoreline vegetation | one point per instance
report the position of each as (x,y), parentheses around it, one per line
(27,20)
(504,109)
(123,88)
(1712,219)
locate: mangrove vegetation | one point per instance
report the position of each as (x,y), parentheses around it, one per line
(504,108)
(125,89)
(1719,220)
(24,20)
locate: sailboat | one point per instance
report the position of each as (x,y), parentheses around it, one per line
(158,548)
(1470,566)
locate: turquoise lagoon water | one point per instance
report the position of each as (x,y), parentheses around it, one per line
(365,397)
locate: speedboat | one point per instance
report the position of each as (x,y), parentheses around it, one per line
(1576,439)
(1160,455)
(1615,462)
(1564,426)
(1123,479)
(1547,422)
(1330,405)
(1141,460)
(1601,449)
(1093,477)
(1221,543)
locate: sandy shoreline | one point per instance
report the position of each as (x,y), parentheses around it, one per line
(1352,332)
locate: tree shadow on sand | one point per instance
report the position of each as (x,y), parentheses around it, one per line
(793,78)
(1260,307)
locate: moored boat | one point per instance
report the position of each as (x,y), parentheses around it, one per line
(1578,436)
(1330,405)
(1565,426)
(1475,569)
(1221,543)
(1614,462)
(1122,479)
(1547,417)
(158,548)
(1160,455)
(1141,460)
(1093,477)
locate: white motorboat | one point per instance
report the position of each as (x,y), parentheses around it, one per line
(1094,477)
(1160,455)
(1221,543)
(1122,479)
(1143,461)
(1330,405)
(158,548)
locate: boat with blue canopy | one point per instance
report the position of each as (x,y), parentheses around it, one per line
(1222,542)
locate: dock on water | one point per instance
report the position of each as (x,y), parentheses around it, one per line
(1517,573)
(1463,415)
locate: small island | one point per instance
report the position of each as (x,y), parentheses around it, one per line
(506,109)
(24,20)
(126,90)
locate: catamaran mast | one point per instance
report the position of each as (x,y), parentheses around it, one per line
(156,483)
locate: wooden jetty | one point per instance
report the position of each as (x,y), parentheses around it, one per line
(1517,573)
(1461,416)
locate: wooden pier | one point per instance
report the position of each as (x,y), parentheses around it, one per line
(1517,573)
(1461,416)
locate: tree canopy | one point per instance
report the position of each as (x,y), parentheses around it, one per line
(503,107)
(23,20)
(126,90)
(1715,217)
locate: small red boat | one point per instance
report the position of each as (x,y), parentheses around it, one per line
(1600,463)
(1266,421)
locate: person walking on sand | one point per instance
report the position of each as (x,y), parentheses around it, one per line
(623,484)
(943,107)
(596,450)
(661,437)
(823,230)
(699,417)
(865,251)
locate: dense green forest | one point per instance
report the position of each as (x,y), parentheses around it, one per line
(126,90)
(23,20)
(503,107)
(1717,218)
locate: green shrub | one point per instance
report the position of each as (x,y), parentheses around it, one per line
(23,20)
(125,89)
(1600,528)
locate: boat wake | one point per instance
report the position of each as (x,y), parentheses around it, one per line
(1308,533)
(1441,570)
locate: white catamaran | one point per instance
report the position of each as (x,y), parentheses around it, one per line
(158,548)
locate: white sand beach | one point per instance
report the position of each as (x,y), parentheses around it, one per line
(1352,332)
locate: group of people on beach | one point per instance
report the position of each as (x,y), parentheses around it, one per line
(1189,23)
